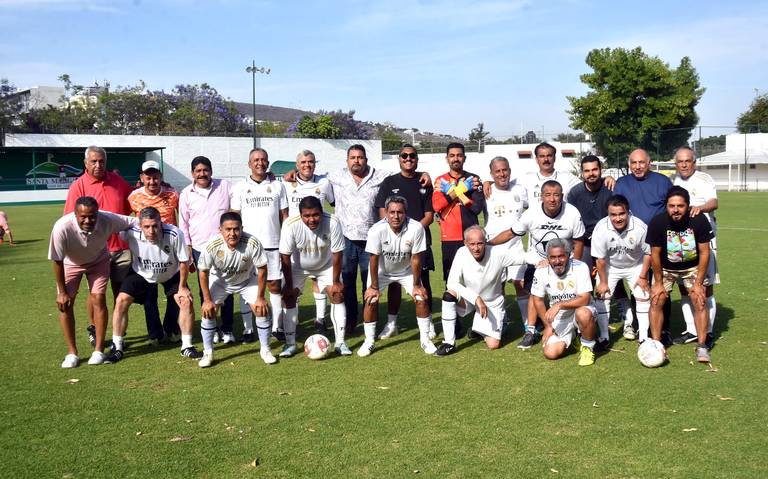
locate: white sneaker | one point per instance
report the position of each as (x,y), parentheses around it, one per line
(629,332)
(206,360)
(228,338)
(96,358)
(366,349)
(266,356)
(431,334)
(428,347)
(390,329)
(216,337)
(70,361)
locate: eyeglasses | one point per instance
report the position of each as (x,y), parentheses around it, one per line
(412,156)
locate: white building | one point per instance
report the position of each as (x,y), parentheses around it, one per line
(743,166)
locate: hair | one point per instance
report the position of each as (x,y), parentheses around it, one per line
(408,146)
(685,147)
(87,201)
(551,183)
(149,213)
(357,147)
(495,159)
(396,199)
(305,153)
(618,200)
(96,149)
(474,228)
(591,159)
(201,160)
(230,216)
(454,145)
(310,203)
(559,243)
(544,144)
(679,191)
(254,150)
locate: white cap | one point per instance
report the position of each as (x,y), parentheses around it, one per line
(150,165)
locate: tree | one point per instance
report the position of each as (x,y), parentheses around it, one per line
(636,101)
(479,135)
(571,137)
(391,140)
(320,126)
(709,145)
(755,119)
(10,107)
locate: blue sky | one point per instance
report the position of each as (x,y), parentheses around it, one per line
(439,66)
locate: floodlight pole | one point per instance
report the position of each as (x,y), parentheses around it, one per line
(253,70)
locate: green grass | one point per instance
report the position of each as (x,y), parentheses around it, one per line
(477,413)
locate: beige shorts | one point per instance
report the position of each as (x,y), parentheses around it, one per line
(119,265)
(686,277)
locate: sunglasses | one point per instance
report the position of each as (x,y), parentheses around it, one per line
(412,156)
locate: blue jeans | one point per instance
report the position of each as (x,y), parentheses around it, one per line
(354,256)
(227,307)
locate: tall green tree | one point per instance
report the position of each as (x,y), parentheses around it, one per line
(319,126)
(10,107)
(570,137)
(755,119)
(636,100)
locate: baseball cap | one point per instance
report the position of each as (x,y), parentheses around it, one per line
(150,165)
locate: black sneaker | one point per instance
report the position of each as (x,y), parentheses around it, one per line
(685,338)
(248,338)
(191,352)
(320,325)
(279,335)
(602,345)
(445,349)
(116,356)
(666,339)
(529,339)
(91,334)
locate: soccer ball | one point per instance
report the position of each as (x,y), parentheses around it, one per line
(651,353)
(316,346)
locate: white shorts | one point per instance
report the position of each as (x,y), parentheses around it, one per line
(274,269)
(565,326)
(405,280)
(490,326)
(516,272)
(630,275)
(219,288)
(323,277)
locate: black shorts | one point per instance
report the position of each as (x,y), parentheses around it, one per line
(449,252)
(136,286)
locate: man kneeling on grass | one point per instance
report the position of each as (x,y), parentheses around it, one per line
(159,256)
(568,285)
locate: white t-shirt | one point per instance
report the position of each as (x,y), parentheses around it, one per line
(620,250)
(260,204)
(318,186)
(504,207)
(471,278)
(234,266)
(701,188)
(532,183)
(574,282)
(541,228)
(396,249)
(311,250)
(156,262)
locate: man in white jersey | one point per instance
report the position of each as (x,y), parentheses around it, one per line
(475,285)
(263,204)
(312,246)
(551,219)
(395,244)
(233,262)
(703,193)
(621,254)
(306,183)
(567,285)
(159,256)
(504,206)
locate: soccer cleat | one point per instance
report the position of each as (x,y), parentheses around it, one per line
(248,338)
(91,334)
(266,356)
(217,336)
(529,339)
(228,338)
(428,347)
(587,357)
(702,354)
(97,357)
(390,329)
(288,351)
(629,332)
(366,349)
(279,335)
(445,349)
(685,338)
(206,360)
(116,356)
(342,349)
(191,352)
(602,345)
(319,324)
(70,361)
(431,334)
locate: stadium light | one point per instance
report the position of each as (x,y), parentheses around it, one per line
(253,70)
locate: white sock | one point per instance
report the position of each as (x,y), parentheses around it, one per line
(391,320)
(118,342)
(712,307)
(449,322)
(589,343)
(603,307)
(276,304)
(207,330)
(370,332)
(424,328)
(320,300)
(522,304)
(290,323)
(339,320)
(263,328)
(247,315)
(643,321)
(687,308)
(625,311)
(186,341)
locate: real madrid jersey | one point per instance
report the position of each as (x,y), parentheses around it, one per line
(395,250)
(576,281)
(156,262)
(311,250)
(541,228)
(234,266)
(620,249)
(471,278)
(260,204)
(504,207)
(317,186)
(533,181)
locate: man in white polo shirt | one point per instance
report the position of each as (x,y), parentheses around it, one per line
(545,155)
(395,244)
(312,246)
(263,204)
(233,262)
(159,257)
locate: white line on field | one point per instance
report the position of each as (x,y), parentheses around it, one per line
(740,229)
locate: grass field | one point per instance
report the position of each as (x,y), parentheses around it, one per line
(398,413)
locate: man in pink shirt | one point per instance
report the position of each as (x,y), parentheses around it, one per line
(111,193)
(201,205)
(79,247)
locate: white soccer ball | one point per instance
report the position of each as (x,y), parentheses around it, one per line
(316,346)
(651,353)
